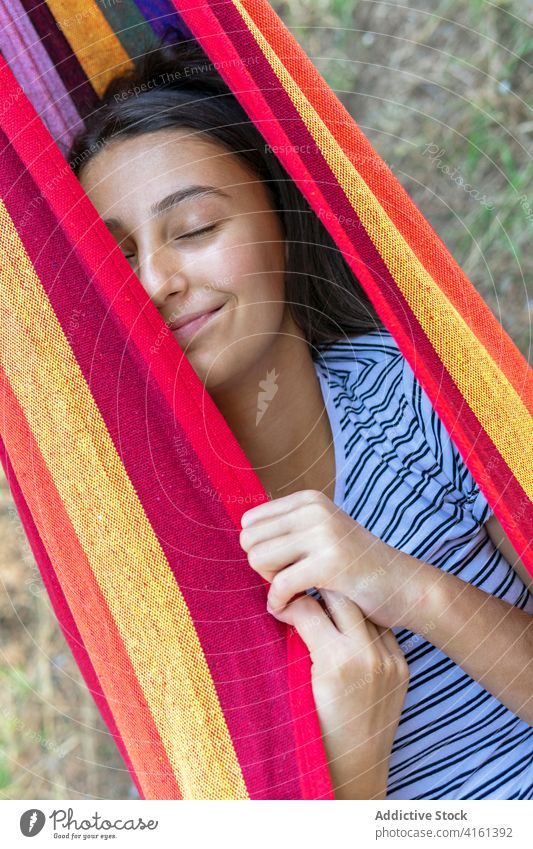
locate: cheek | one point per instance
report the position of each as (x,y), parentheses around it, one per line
(260,297)
(251,271)
(253,249)
(256,270)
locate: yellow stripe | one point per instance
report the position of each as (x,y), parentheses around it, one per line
(485,388)
(92,39)
(122,549)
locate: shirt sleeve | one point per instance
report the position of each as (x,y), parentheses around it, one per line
(443,449)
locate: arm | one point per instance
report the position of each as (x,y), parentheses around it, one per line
(489,638)
(304,540)
(503,543)
(358,768)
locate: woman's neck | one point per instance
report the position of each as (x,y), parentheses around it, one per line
(279,419)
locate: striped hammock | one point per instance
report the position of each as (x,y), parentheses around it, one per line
(128,481)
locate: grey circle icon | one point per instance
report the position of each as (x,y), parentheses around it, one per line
(32,822)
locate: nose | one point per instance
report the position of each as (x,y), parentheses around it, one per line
(161,275)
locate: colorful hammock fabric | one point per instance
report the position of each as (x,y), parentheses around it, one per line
(128,481)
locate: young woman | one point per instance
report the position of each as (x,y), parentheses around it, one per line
(419,632)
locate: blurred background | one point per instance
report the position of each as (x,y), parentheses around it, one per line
(445,96)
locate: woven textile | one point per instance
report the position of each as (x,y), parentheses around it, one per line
(128,481)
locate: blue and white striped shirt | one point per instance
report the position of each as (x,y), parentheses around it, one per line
(399,474)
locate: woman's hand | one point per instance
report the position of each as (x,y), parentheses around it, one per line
(304,540)
(359,680)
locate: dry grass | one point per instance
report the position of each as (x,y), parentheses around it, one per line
(458,76)
(53,742)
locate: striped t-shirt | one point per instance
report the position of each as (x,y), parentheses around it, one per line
(399,474)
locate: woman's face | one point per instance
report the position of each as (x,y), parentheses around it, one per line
(199,231)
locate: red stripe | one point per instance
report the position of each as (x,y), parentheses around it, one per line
(25,455)
(246,654)
(406,216)
(257,87)
(62,610)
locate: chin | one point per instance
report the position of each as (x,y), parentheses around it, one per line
(220,365)
(205,366)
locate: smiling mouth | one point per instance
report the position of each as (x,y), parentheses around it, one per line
(186,331)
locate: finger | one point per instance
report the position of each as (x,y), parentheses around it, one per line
(276,507)
(311,622)
(348,616)
(287,583)
(270,556)
(390,642)
(389,645)
(265,529)
(385,637)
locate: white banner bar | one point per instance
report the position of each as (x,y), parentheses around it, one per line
(271,824)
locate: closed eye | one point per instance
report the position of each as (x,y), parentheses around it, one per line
(191,235)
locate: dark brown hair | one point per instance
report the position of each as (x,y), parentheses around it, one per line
(176,85)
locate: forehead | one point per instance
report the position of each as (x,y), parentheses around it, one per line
(127,170)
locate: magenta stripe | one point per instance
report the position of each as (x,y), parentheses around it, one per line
(244,646)
(474,444)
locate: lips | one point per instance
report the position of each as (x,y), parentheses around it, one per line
(189,326)
(188,319)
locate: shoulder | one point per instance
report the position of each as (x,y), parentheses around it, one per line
(355,361)
(376,387)
(373,346)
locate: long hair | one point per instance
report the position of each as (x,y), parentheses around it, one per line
(176,85)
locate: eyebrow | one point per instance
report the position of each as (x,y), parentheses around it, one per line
(173,199)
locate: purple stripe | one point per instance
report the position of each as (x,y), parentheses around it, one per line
(62,57)
(162,14)
(31,65)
